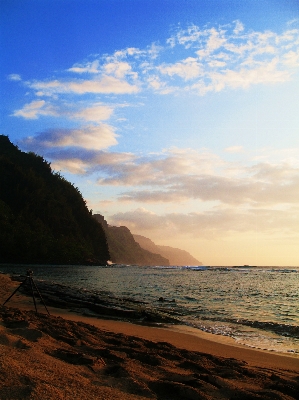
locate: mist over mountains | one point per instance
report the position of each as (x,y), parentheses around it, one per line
(124,249)
(174,255)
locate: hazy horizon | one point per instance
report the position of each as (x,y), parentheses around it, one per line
(177,119)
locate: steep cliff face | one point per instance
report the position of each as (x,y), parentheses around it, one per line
(174,255)
(43,217)
(125,250)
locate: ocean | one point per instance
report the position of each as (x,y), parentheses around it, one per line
(256,306)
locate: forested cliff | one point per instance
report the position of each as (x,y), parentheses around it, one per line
(43,217)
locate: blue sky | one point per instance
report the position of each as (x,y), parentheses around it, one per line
(178,119)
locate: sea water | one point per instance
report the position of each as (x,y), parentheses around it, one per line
(257,307)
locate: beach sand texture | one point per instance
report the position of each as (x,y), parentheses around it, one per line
(69,356)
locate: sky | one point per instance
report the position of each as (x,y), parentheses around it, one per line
(176,118)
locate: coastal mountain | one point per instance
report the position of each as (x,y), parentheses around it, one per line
(174,255)
(44,220)
(43,217)
(124,249)
(127,248)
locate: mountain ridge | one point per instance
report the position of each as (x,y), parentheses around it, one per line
(174,255)
(124,249)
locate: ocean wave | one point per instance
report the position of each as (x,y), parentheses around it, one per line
(285,330)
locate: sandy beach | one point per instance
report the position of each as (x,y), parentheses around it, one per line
(71,356)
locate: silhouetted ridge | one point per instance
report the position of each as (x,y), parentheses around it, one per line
(125,250)
(43,217)
(174,255)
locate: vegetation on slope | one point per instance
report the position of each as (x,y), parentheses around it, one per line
(43,217)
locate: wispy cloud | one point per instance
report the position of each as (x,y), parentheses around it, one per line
(86,161)
(89,67)
(95,112)
(176,176)
(14,77)
(35,109)
(105,85)
(258,185)
(87,137)
(202,60)
(213,223)
(187,69)
(231,57)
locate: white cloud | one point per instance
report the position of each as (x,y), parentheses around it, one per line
(87,137)
(91,68)
(177,176)
(215,222)
(74,166)
(217,64)
(221,58)
(269,155)
(291,59)
(106,85)
(34,109)
(119,70)
(14,77)
(163,169)
(130,51)
(197,60)
(238,28)
(215,41)
(260,185)
(293,21)
(186,37)
(266,73)
(187,69)
(97,112)
(80,160)
(90,137)
(159,86)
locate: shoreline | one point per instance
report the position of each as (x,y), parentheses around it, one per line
(71,356)
(191,339)
(214,343)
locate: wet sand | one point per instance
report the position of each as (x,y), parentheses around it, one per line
(71,356)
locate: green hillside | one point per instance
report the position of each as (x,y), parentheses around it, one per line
(43,217)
